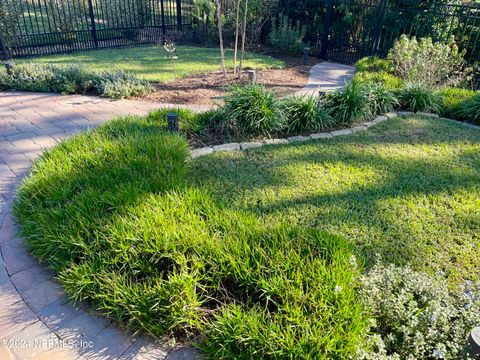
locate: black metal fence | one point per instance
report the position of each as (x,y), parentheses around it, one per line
(337,30)
(347,30)
(36,27)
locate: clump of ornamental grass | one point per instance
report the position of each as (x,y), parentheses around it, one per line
(305,114)
(417,97)
(254,110)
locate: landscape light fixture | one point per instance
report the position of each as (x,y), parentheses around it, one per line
(473,347)
(9,65)
(172,121)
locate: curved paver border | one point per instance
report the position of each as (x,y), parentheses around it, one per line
(315,136)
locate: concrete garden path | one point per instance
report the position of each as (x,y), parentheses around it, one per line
(327,76)
(35,320)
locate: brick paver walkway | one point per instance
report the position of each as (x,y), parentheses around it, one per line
(35,320)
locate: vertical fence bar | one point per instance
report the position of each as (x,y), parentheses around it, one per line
(179,15)
(162,14)
(326,30)
(3,47)
(379,27)
(92,23)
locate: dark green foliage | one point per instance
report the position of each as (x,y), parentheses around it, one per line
(72,79)
(389,81)
(305,114)
(417,97)
(374,64)
(381,100)
(348,105)
(452,100)
(254,110)
(470,109)
(285,37)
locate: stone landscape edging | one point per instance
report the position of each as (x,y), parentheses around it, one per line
(242,146)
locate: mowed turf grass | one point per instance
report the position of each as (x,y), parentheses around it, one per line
(408,190)
(253,249)
(153,63)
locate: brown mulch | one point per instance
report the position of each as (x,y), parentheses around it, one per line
(209,88)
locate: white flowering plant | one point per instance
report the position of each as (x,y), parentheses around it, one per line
(416,316)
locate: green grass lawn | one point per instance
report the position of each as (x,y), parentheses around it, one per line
(252,249)
(408,190)
(153,64)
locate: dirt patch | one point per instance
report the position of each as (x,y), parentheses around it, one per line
(209,88)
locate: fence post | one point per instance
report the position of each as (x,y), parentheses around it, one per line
(179,15)
(382,8)
(326,29)
(3,47)
(162,13)
(92,23)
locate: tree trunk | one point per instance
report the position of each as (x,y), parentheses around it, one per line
(244,35)
(237,29)
(220,35)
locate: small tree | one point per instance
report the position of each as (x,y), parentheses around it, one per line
(237,30)
(244,35)
(218,8)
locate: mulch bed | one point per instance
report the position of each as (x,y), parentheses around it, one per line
(209,88)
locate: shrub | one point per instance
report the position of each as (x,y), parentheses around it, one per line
(374,64)
(390,82)
(416,97)
(73,79)
(348,105)
(426,62)
(452,100)
(254,110)
(416,316)
(120,85)
(285,37)
(381,100)
(470,109)
(304,114)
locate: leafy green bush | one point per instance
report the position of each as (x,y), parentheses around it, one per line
(390,82)
(416,97)
(254,110)
(112,213)
(428,63)
(348,105)
(286,38)
(72,79)
(452,100)
(416,316)
(470,109)
(374,64)
(381,100)
(304,114)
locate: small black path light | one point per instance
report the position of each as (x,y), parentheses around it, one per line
(306,50)
(172,120)
(473,346)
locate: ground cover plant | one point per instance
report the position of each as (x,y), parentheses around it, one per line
(239,246)
(153,64)
(125,229)
(73,79)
